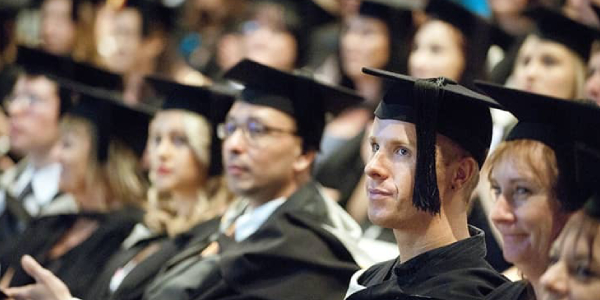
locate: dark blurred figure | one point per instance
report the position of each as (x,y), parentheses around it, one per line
(582,11)
(99,161)
(66,28)
(592,84)
(34,105)
(207,45)
(8,14)
(132,40)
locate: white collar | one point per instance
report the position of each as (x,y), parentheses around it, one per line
(253,217)
(44,182)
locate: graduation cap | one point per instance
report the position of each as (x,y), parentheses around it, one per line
(381,8)
(298,95)
(66,72)
(436,105)
(111,118)
(210,103)
(557,123)
(555,26)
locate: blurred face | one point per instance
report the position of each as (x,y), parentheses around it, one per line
(525,213)
(73,153)
(437,51)
(270,46)
(545,67)
(33,109)
(592,84)
(259,150)
(504,7)
(582,11)
(574,272)
(57,27)
(120,45)
(173,164)
(348,7)
(364,43)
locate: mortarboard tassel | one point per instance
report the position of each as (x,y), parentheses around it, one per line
(427,94)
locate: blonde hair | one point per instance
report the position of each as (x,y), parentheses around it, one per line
(579,65)
(213,195)
(119,179)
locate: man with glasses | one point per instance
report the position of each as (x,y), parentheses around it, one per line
(34,107)
(282,239)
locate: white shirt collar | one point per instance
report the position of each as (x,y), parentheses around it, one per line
(44,182)
(252,218)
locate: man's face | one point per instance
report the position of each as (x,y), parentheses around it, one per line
(33,108)
(390,174)
(259,151)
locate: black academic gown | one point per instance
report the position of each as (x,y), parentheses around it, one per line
(518,290)
(291,256)
(134,284)
(77,268)
(456,271)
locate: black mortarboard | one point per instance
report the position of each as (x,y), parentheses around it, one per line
(555,26)
(441,106)
(557,123)
(208,102)
(589,170)
(65,71)
(381,8)
(477,31)
(111,119)
(56,68)
(302,97)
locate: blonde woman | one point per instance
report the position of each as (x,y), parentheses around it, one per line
(186,197)
(187,193)
(552,60)
(100,170)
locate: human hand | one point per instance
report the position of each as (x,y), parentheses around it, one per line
(46,287)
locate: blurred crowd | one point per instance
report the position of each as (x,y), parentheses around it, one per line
(122,175)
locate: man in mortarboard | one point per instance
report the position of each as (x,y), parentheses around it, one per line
(283,239)
(35,105)
(428,141)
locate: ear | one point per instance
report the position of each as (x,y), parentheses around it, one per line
(467,168)
(304,161)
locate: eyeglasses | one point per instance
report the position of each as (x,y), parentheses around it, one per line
(253,131)
(26,99)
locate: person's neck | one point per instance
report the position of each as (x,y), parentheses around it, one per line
(532,272)
(369,87)
(185,200)
(514,24)
(40,159)
(420,237)
(90,199)
(455,212)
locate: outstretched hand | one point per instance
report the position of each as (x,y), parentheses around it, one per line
(46,287)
